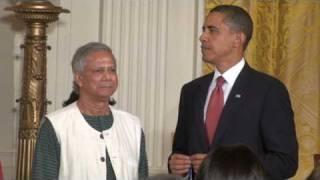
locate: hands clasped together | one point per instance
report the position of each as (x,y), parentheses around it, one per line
(180,164)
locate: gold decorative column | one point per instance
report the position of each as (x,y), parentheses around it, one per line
(36,14)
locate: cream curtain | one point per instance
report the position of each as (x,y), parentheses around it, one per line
(286,44)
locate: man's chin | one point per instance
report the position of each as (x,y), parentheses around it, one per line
(207,60)
(104,95)
(102,98)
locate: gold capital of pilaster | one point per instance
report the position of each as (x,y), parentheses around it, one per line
(37,11)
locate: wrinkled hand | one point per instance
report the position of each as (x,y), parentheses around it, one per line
(196,161)
(179,164)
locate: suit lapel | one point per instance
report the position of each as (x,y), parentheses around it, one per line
(233,104)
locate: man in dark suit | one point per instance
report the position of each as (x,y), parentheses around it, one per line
(256,107)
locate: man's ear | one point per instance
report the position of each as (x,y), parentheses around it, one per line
(240,38)
(78,79)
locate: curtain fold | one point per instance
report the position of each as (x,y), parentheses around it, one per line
(286,44)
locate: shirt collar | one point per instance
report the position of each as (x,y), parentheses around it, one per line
(231,74)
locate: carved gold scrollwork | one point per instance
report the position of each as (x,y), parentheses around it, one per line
(28,134)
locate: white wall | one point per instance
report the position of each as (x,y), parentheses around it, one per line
(154,42)
(8,124)
(156,46)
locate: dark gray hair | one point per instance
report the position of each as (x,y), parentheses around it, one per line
(80,56)
(237,19)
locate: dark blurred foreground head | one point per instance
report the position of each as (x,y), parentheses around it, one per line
(236,162)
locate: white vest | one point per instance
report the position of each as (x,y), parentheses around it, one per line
(83,151)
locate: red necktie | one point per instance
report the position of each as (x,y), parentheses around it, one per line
(214,109)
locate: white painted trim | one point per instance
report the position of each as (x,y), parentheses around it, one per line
(200,18)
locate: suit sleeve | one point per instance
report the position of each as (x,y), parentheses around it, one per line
(180,141)
(278,132)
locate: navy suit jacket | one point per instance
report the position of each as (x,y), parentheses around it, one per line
(257,113)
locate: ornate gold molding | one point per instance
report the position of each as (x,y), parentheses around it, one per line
(36,15)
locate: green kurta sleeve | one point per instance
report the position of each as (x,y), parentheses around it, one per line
(46,159)
(143,161)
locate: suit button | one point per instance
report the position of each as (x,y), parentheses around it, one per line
(101,136)
(102,159)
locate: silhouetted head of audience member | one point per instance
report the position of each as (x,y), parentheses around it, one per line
(74,96)
(165,177)
(315,174)
(235,162)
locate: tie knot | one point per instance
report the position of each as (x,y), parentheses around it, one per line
(220,81)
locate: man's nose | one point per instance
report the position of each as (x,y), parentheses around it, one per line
(107,75)
(203,37)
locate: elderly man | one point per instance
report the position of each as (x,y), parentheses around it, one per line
(88,139)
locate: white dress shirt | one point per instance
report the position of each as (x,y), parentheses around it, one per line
(230,77)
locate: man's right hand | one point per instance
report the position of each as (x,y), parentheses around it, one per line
(179,164)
